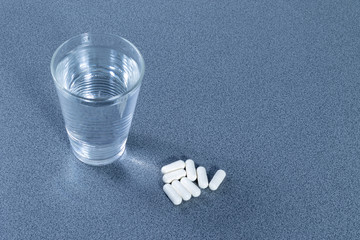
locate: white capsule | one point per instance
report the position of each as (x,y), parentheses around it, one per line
(181,190)
(217,179)
(175,175)
(191,187)
(180,164)
(190,170)
(172,194)
(203,181)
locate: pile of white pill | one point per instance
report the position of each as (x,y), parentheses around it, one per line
(179,178)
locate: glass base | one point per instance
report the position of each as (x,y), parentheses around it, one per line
(99,162)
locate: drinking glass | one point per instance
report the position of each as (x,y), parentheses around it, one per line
(97,78)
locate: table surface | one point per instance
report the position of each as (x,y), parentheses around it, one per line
(266,90)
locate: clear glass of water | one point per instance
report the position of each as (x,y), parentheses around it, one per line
(97,78)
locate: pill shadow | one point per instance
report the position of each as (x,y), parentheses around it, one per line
(184,157)
(211,171)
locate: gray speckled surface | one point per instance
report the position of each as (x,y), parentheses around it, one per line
(267,90)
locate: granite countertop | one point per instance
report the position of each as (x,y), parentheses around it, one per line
(266,90)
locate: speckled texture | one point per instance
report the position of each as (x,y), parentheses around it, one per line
(267,90)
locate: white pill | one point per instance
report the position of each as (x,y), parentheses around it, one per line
(181,190)
(190,170)
(202,177)
(217,179)
(180,164)
(175,175)
(191,187)
(172,194)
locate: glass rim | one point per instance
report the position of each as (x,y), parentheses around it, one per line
(107,99)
